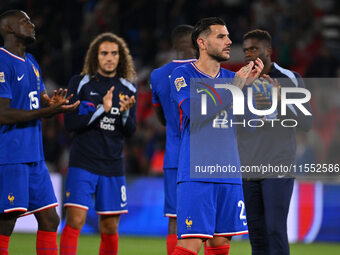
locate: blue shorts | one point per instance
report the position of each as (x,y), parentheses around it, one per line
(26,187)
(206,209)
(170,192)
(109,191)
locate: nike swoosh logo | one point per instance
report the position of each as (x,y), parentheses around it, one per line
(93,93)
(199,90)
(123,204)
(19,78)
(245,223)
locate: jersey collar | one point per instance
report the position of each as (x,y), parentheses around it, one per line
(207,75)
(11,54)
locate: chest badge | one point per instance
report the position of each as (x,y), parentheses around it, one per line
(36,71)
(121,95)
(2,77)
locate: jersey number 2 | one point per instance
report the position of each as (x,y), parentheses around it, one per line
(242,213)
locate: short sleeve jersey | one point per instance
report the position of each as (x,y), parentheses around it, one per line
(160,85)
(221,146)
(20,81)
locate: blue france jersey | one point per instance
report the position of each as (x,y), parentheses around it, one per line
(218,145)
(160,85)
(20,81)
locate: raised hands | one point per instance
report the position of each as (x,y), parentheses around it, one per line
(58,103)
(107,99)
(263,101)
(247,74)
(275,84)
(255,71)
(126,103)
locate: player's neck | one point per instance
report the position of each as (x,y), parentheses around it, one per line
(15,47)
(184,55)
(208,66)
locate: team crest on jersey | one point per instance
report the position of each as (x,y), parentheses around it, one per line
(180,83)
(121,95)
(188,222)
(2,77)
(10,198)
(36,71)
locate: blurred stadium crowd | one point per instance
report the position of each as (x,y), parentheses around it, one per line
(306,39)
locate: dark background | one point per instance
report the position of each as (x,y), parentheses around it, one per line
(305,36)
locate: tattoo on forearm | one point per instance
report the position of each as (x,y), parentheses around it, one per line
(239,82)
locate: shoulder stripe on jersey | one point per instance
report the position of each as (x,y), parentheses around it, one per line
(184,60)
(291,75)
(13,55)
(83,81)
(287,72)
(128,84)
(96,114)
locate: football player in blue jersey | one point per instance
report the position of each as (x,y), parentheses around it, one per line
(168,113)
(267,198)
(25,182)
(211,208)
(106,115)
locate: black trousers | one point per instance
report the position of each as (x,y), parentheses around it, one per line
(267,204)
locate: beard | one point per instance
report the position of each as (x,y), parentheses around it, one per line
(218,57)
(108,72)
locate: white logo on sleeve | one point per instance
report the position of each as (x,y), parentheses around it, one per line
(20,78)
(93,93)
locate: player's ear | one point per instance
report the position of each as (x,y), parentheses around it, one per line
(5,28)
(269,51)
(201,42)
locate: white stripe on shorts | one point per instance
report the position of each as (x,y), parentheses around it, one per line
(76,205)
(112,212)
(15,209)
(232,233)
(196,235)
(40,209)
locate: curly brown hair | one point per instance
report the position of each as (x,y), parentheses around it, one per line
(125,68)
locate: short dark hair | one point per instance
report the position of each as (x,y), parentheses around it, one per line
(261,35)
(204,26)
(180,31)
(9,13)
